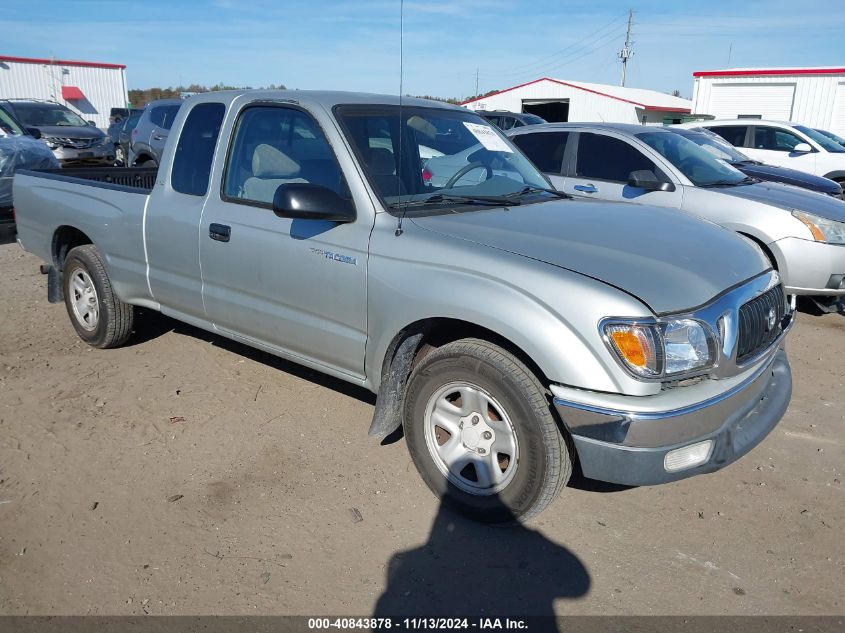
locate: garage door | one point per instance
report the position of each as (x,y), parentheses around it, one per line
(768,101)
(837,122)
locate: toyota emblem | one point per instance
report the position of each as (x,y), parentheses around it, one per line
(771,319)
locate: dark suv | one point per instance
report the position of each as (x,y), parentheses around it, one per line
(72,139)
(150,135)
(505,120)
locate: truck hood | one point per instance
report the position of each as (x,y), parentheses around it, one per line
(670,261)
(788,198)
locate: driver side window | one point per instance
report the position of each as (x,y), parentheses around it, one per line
(607,158)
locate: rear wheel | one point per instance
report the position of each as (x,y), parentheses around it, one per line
(98,316)
(481,433)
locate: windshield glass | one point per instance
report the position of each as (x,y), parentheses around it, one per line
(717,146)
(832,136)
(532,119)
(8,127)
(696,163)
(829,144)
(436,157)
(38,116)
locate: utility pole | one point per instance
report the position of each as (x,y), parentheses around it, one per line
(627,53)
(476,80)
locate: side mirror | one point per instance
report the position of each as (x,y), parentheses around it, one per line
(34,132)
(312,202)
(802,148)
(645,179)
(91,123)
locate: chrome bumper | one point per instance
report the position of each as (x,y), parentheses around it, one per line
(629,447)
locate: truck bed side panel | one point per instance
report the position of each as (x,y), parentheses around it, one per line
(110,215)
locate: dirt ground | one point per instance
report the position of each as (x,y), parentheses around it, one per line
(185,474)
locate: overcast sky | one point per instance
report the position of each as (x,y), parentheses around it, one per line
(354,45)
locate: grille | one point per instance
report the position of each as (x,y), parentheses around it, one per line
(760,323)
(77,143)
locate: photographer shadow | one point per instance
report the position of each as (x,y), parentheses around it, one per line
(471,569)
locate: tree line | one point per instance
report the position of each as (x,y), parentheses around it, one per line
(139,97)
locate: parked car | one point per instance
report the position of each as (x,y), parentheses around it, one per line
(18,150)
(723,150)
(801,232)
(782,143)
(121,135)
(117,115)
(505,120)
(833,137)
(72,140)
(502,323)
(150,133)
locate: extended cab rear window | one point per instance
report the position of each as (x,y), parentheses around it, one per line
(195,150)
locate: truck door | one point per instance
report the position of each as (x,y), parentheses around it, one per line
(297,287)
(174,211)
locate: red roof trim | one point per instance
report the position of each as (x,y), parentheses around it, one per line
(59,62)
(769,71)
(603,94)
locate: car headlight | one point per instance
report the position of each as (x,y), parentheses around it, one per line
(666,349)
(823,230)
(51,142)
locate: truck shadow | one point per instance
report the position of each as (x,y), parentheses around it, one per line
(150,325)
(470,569)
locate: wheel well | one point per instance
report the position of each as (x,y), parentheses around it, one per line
(437,332)
(64,239)
(772,259)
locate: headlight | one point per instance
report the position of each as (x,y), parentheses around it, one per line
(823,230)
(666,349)
(51,142)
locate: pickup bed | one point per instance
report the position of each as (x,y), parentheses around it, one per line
(511,331)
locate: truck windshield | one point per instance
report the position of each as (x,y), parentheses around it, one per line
(438,157)
(700,166)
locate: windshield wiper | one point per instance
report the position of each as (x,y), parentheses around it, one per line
(531,189)
(451,197)
(748,180)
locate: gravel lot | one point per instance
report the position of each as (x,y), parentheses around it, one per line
(185,474)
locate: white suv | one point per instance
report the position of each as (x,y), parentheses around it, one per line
(782,143)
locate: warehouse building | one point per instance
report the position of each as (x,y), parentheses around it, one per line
(556,100)
(90,89)
(814,97)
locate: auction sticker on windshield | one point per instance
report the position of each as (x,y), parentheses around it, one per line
(487,137)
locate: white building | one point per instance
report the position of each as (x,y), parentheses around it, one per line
(814,97)
(556,100)
(88,88)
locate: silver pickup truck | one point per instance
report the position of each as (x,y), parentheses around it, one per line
(513,332)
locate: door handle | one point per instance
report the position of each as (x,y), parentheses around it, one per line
(586,188)
(219,232)
(159,137)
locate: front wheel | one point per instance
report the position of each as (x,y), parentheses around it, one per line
(98,316)
(481,433)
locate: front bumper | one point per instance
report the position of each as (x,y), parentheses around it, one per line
(811,268)
(96,154)
(625,447)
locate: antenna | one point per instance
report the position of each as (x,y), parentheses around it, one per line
(401,132)
(627,53)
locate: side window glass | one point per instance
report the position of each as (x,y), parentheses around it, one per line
(545,149)
(157,116)
(273,146)
(606,158)
(733,134)
(775,139)
(168,115)
(195,150)
(507,122)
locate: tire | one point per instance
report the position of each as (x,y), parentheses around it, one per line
(518,420)
(98,316)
